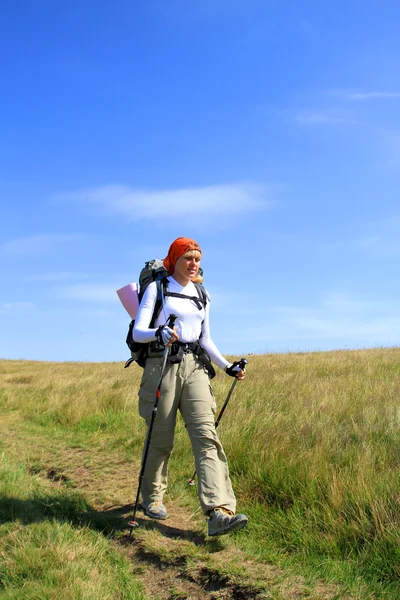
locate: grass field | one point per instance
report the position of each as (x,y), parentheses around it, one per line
(313,442)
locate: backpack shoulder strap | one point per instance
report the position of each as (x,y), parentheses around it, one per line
(202,292)
(162,285)
(200,300)
(162,290)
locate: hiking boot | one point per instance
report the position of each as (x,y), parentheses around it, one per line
(154,509)
(223,521)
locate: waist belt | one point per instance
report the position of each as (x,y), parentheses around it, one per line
(185,347)
(179,349)
(176,347)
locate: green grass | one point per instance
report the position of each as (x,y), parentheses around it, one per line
(54,546)
(313,442)
(52,560)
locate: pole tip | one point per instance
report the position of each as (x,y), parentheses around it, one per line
(133,523)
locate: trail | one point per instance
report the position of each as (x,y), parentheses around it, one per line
(174,559)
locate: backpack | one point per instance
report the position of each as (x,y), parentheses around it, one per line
(154,270)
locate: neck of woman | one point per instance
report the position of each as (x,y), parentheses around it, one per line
(181,279)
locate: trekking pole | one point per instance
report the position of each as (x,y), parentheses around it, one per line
(242,364)
(133,523)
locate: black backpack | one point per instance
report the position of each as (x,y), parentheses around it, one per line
(154,270)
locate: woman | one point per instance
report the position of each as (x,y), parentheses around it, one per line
(185,387)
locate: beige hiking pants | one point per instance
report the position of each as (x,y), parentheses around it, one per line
(186,387)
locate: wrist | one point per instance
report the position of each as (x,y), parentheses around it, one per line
(157,334)
(231,370)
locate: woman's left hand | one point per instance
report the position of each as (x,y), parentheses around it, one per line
(234,370)
(241,375)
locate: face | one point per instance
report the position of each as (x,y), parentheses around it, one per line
(188,265)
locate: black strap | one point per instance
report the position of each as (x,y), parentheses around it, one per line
(201,292)
(199,302)
(162,289)
(204,358)
(198,351)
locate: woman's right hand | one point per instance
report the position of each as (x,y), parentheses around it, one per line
(166,335)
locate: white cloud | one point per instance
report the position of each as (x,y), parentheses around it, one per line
(373,95)
(339,302)
(326,118)
(232,301)
(35,244)
(380,245)
(340,316)
(62,276)
(16,307)
(315,117)
(342,108)
(336,321)
(166,205)
(88,293)
(354,94)
(379,239)
(392,141)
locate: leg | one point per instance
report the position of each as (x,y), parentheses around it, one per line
(155,477)
(197,406)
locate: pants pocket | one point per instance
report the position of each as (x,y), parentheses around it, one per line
(213,402)
(148,387)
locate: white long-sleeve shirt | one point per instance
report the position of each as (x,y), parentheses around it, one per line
(191,325)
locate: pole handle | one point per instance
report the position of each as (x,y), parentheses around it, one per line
(243,362)
(171,320)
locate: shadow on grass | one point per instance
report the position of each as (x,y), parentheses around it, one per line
(195,537)
(73,509)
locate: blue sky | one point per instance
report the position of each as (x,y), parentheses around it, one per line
(269,131)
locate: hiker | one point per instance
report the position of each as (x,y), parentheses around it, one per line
(185,387)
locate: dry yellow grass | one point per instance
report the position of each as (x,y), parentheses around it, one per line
(312,439)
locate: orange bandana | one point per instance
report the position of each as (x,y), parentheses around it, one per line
(177,249)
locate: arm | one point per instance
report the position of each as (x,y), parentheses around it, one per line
(141,331)
(207,343)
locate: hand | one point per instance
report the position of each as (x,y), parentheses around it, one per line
(166,335)
(234,370)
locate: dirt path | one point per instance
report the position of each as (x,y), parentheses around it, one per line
(174,559)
